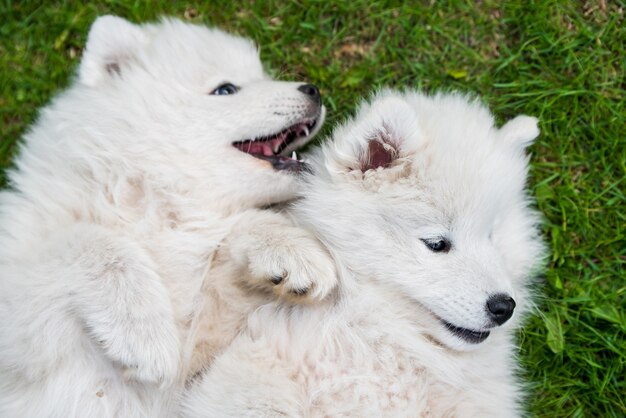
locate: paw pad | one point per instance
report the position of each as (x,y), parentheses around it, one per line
(279,279)
(300,292)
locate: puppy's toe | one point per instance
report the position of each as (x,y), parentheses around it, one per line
(311,279)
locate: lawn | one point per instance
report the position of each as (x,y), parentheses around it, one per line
(563,62)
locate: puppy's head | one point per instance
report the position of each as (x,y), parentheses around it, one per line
(182,102)
(426,196)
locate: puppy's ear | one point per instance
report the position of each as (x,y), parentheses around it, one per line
(382,132)
(112,45)
(520,131)
(386,125)
(382,149)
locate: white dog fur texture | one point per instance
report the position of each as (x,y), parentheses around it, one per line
(422,202)
(123,193)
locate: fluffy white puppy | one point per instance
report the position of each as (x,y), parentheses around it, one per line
(168,145)
(422,202)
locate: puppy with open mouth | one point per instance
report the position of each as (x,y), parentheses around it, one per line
(160,160)
(280,149)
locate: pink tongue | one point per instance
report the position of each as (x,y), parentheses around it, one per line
(265,148)
(261,148)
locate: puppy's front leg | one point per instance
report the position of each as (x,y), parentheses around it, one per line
(281,257)
(118,297)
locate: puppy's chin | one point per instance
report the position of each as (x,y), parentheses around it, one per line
(447,335)
(446,338)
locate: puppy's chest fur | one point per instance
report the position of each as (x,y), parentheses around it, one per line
(390,380)
(180,230)
(385,365)
(182,236)
(387,380)
(185,238)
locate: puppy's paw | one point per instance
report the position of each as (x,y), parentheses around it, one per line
(297,268)
(154,360)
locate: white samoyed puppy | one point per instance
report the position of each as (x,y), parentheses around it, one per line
(168,146)
(422,202)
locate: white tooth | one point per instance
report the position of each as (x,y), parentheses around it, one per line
(306,131)
(276,147)
(294,156)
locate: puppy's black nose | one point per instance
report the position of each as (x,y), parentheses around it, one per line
(312,91)
(500,307)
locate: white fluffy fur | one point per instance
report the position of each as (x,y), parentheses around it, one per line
(379,349)
(126,196)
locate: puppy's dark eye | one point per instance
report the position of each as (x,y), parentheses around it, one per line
(225,90)
(438,245)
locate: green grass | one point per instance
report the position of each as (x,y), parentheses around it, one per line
(564,62)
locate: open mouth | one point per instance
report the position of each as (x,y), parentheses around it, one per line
(274,148)
(468,335)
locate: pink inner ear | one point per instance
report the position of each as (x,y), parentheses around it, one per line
(378,156)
